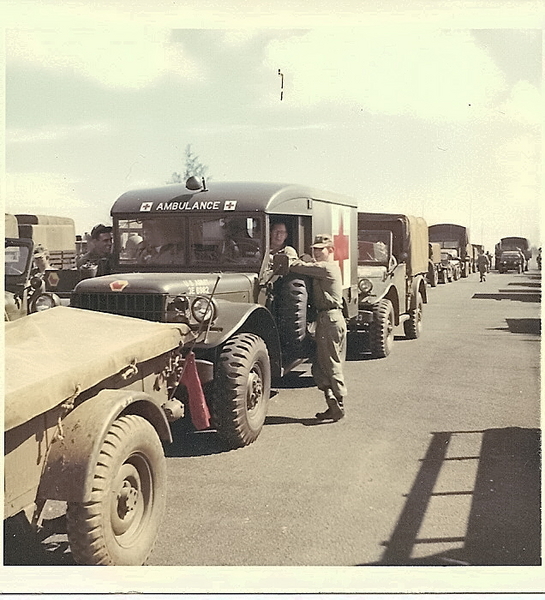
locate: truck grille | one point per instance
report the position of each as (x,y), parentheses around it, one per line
(142,306)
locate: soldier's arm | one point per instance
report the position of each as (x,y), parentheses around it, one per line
(312,269)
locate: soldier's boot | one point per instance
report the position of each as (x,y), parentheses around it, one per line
(335,408)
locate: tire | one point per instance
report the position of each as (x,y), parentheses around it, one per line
(444,277)
(118,526)
(242,389)
(292,294)
(519,269)
(413,325)
(381,332)
(456,275)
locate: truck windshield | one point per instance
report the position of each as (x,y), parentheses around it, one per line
(374,247)
(16,258)
(193,241)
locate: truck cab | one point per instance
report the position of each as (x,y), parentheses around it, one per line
(200,255)
(393,259)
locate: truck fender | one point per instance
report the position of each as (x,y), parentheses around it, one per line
(419,285)
(237,317)
(67,473)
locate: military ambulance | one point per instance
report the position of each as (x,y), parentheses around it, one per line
(200,255)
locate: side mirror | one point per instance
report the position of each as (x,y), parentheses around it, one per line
(281,264)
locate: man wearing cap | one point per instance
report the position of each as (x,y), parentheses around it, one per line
(327,364)
(41,260)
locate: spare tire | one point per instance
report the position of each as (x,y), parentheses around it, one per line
(292,295)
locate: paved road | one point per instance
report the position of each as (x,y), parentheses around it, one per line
(436,462)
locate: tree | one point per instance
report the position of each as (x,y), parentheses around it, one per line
(193,166)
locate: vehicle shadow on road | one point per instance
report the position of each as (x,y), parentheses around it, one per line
(506,295)
(49,547)
(526,326)
(504,524)
(187,441)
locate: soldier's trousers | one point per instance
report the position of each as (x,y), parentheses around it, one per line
(327,363)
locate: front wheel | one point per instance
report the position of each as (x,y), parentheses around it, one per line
(119,524)
(242,390)
(413,325)
(381,333)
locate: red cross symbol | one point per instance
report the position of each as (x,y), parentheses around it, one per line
(341,247)
(230,205)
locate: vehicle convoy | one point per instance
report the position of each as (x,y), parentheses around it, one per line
(84,426)
(26,289)
(513,244)
(450,269)
(393,254)
(454,237)
(511,260)
(434,263)
(176,246)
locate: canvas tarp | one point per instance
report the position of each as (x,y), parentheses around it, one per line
(48,355)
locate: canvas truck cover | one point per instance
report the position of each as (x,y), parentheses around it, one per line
(50,353)
(11,227)
(57,234)
(410,233)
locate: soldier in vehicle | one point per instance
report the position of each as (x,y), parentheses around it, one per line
(278,240)
(99,257)
(41,260)
(327,364)
(161,244)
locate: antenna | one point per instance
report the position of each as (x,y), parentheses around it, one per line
(281,75)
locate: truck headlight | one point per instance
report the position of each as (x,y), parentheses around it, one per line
(365,285)
(203,309)
(45,302)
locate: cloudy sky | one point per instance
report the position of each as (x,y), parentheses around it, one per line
(414,112)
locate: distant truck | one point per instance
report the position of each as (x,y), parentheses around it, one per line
(513,244)
(454,237)
(176,245)
(58,236)
(434,263)
(87,405)
(476,250)
(393,259)
(24,290)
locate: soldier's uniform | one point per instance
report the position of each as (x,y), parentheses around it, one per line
(327,364)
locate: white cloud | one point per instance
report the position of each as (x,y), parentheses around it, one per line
(117,56)
(429,74)
(525,103)
(46,134)
(36,193)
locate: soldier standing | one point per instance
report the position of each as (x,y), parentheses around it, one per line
(327,364)
(482,265)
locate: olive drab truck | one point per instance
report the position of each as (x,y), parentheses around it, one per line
(393,260)
(199,254)
(454,237)
(513,243)
(434,263)
(26,290)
